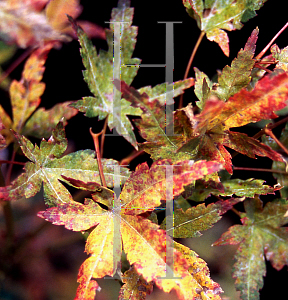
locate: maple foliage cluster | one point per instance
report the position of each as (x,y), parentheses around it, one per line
(120,212)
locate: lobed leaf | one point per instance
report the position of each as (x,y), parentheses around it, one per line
(153,122)
(25,98)
(99,74)
(141,192)
(47,165)
(260,235)
(214,16)
(211,127)
(145,194)
(234,78)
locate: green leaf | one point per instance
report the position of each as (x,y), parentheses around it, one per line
(203,86)
(189,223)
(42,122)
(236,77)
(281,56)
(260,235)
(99,74)
(47,164)
(213,16)
(248,188)
(153,123)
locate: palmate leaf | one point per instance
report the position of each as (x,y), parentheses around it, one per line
(143,241)
(153,122)
(25,98)
(232,79)
(259,235)
(29,23)
(189,223)
(212,125)
(99,74)
(213,16)
(47,164)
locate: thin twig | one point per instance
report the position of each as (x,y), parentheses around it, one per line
(190,63)
(12,162)
(98,156)
(259,170)
(259,56)
(262,68)
(9,172)
(15,64)
(271,134)
(236,212)
(130,157)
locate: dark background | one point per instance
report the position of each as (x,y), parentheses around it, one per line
(64,81)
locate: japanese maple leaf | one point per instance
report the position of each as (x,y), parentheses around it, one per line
(214,16)
(25,98)
(143,242)
(47,164)
(260,236)
(152,125)
(211,126)
(232,79)
(34,22)
(213,123)
(99,73)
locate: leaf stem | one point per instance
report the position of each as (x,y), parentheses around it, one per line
(236,212)
(103,137)
(269,132)
(259,56)
(259,170)
(11,162)
(190,63)
(98,155)
(130,157)
(9,172)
